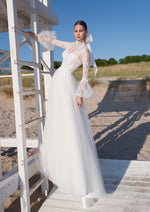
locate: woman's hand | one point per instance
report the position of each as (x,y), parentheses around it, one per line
(32,34)
(79,101)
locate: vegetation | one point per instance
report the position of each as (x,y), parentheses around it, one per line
(121,71)
(126,60)
(7,91)
(57,64)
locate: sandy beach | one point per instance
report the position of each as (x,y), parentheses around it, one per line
(119,116)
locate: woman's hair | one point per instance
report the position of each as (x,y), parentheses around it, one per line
(82,23)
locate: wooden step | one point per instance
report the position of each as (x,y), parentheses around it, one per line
(32,122)
(27,63)
(127,189)
(24,93)
(37,184)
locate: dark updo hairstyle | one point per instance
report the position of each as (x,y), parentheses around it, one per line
(82,23)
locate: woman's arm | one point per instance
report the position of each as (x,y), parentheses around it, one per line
(84,90)
(46,37)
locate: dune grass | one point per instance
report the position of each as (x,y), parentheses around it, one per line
(121,71)
(7,91)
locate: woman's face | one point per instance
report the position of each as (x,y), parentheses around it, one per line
(79,32)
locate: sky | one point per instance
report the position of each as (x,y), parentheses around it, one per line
(119,27)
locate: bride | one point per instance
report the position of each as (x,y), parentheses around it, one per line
(68,154)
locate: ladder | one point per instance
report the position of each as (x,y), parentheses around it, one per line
(21,125)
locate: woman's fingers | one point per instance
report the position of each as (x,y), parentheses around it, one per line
(79,102)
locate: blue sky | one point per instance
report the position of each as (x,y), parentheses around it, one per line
(119,27)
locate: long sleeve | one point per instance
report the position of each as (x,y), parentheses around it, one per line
(49,41)
(84,89)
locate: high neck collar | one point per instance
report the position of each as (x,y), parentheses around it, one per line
(80,42)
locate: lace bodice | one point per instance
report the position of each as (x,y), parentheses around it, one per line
(75,55)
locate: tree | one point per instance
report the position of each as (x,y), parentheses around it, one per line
(26,67)
(121,61)
(144,57)
(57,64)
(128,59)
(138,59)
(112,61)
(101,62)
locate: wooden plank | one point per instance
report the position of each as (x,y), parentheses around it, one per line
(27,63)
(5,68)
(10,182)
(34,92)
(48,63)
(18,105)
(8,186)
(11,142)
(38,82)
(1,202)
(36,185)
(23,75)
(46,13)
(32,122)
(75,205)
(4,57)
(127,193)
(45,65)
(26,6)
(124,168)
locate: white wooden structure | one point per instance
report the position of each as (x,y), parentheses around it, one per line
(16,15)
(127,190)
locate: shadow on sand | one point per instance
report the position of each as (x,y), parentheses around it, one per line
(119,140)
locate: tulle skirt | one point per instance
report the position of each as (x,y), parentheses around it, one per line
(68,154)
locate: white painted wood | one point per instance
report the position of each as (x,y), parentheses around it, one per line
(34,65)
(44,12)
(27,41)
(38,83)
(1,202)
(48,59)
(37,185)
(10,182)
(8,186)
(31,92)
(23,75)
(5,68)
(45,16)
(26,6)
(45,66)
(18,105)
(1,207)
(4,57)
(47,13)
(130,192)
(12,142)
(37,74)
(33,122)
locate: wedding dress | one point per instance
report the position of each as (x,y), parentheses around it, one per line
(68,154)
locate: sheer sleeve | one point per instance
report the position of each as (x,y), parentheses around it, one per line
(84,89)
(49,41)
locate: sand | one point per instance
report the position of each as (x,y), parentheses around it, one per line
(119,116)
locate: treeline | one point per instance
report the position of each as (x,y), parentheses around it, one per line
(126,60)
(112,61)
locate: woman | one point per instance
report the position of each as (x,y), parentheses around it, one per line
(68,153)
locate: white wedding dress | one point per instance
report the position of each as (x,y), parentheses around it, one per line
(68,154)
